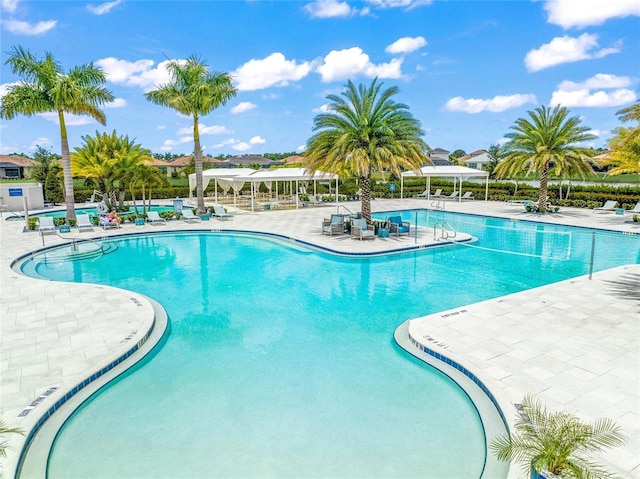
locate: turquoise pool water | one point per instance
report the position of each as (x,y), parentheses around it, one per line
(281,361)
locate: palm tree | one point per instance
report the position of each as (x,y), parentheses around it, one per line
(363,131)
(47,88)
(625,151)
(630,113)
(556,443)
(194,91)
(546,143)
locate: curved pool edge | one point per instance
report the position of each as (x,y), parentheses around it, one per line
(34,455)
(489,410)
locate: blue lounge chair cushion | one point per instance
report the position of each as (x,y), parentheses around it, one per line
(396,219)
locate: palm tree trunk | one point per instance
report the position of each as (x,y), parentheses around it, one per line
(66,169)
(198,162)
(365,199)
(542,194)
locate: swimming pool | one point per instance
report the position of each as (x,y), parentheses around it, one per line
(306,380)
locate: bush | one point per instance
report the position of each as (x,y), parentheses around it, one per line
(32,223)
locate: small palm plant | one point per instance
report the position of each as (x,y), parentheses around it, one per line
(556,444)
(5,430)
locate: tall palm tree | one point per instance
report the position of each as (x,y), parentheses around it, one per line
(194,91)
(363,131)
(545,143)
(47,88)
(556,443)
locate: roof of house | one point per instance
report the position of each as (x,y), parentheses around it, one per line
(16,160)
(439,151)
(186,161)
(473,154)
(156,162)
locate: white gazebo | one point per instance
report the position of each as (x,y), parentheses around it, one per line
(225,177)
(291,175)
(458,173)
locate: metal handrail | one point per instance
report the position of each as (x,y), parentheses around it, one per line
(343,206)
(446,231)
(438,204)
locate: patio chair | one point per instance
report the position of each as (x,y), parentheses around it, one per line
(452,196)
(314,200)
(155,219)
(189,217)
(399,227)
(273,203)
(83,222)
(335,224)
(46,225)
(361,230)
(609,206)
(467,196)
(221,214)
(105,223)
(635,209)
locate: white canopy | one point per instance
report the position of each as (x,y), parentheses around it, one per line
(458,173)
(237,177)
(285,174)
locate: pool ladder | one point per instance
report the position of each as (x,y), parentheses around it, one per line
(446,231)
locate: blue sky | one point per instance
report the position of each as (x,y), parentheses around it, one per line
(466,69)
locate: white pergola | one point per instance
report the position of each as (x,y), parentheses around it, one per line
(458,173)
(291,175)
(237,177)
(225,177)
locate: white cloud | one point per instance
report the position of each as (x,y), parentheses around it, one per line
(344,64)
(406,45)
(322,109)
(257,140)
(572,94)
(564,50)
(241,146)
(243,106)
(40,141)
(598,99)
(69,119)
(117,103)
(24,28)
(140,73)
(406,4)
(274,70)
(9,5)
(103,7)
(169,144)
(204,130)
(329,9)
(496,104)
(600,80)
(271,96)
(588,12)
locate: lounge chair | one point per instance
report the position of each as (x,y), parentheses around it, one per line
(635,209)
(46,225)
(154,218)
(452,196)
(333,225)
(83,222)
(425,194)
(220,213)
(273,203)
(467,196)
(609,206)
(399,227)
(361,230)
(104,222)
(189,217)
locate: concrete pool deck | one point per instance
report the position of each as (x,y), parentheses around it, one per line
(52,335)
